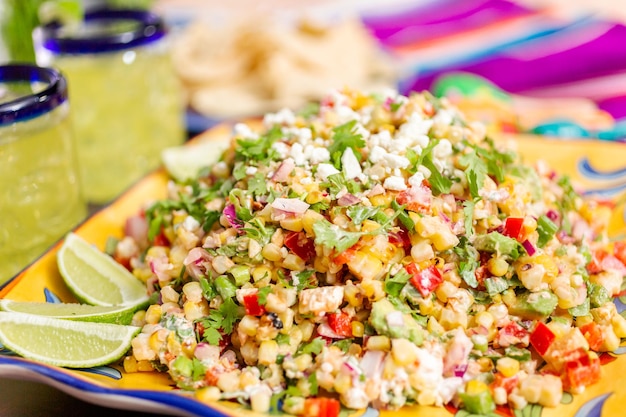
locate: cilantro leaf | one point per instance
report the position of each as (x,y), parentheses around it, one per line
(257,184)
(395,284)
(438,182)
(333,237)
(259,150)
(314,347)
(469,261)
(263,293)
(468,212)
(359,213)
(344,137)
(475,171)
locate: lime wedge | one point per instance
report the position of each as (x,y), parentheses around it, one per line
(72,311)
(95,278)
(185,162)
(72,344)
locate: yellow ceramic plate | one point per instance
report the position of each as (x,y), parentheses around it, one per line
(599,166)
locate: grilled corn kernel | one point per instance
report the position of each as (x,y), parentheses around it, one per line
(619,325)
(139,318)
(261,272)
(248,325)
(268,350)
(286,317)
(293,224)
(271,252)
(260,401)
(293,262)
(352,295)
(169,294)
(195,311)
(365,266)
(130,364)
(342,383)
(192,291)
(378,342)
(422,251)
(145,366)
(475,386)
(228,381)
(306,327)
(309,218)
(373,289)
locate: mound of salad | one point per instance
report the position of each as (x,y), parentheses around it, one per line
(374,250)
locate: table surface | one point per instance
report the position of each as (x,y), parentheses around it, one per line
(25,398)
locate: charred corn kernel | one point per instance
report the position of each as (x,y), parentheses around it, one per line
(274,304)
(342,383)
(195,311)
(261,272)
(445,290)
(352,295)
(260,400)
(268,350)
(145,366)
(153,314)
(286,317)
(248,378)
(373,289)
(130,364)
(369,225)
(508,297)
(169,294)
(529,225)
(451,319)
(550,267)
(365,266)
(507,366)
(221,264)
(403,352)
(293,224)
(303,361)
(422,251)
(306,327)
(157,340)
(173,345)
(271,252)
(485,364)
(250,352)
(309,218)
(568,296)
(530,273)
(497,266)
(357,328)
(378,342)
(228,381)
(193,292)
(314,197)
(293,262)
(208,394)
(189,346)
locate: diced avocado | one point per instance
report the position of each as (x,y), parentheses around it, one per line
(410,329)
(498,243)
(534,305)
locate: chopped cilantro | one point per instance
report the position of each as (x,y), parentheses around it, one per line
(438,182)
(257,184)
(475,171)
(343,344)
(395,284)
(259,150)
(468,213)
(282,339)
(314,347)
(262,294)
(333,237)
(359,213)
(546,229)
(468,261)
(344,137)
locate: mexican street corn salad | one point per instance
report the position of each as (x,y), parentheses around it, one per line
(374,251)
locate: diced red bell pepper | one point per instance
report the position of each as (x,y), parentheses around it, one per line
(252,306)
(513,227)
(595,265)
(619,250)
(298,243)
(424,280)
(593,333)
(344,257)
(508,383)
(541,338)
(321,407)
(340,323)
(582,372)
(400,238)
(161,240)
(512,334)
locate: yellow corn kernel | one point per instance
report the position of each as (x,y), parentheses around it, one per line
(550,266)
(271,252)
(342,383)
(306,327)
(250,352)
(314,197)
(373,289)
(153,314)
(248,325)
(309,218)
(378,342)
(157,339)
(484,319)
(268,350)
(208,394)
(365,266)
(485,364)
(445,290)
(383,200)
(228,381)
(444,240)
(352,295)
(130,364)
(434,327)
(293,262)
(403,352)
(422,251)
(261,272)
(507,366)
(610,341)
(260,401)
(287,317)
(139,318)
(358,328)
(475,386)
(248,378)
(619,325)
(144,366)
(293,224)
(369,225)
(451,319)
(497,266)
(173,345)
(195,311)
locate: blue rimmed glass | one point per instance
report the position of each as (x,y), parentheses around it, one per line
(41,198)
(127,101)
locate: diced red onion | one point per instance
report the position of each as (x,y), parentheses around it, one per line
(371,363)
(459,370)
(530,248)
(324,330)
(290,205)
(194,260)
(348,200)
(137,228)
(552,215)
(206,351)
(284,170)
(231,216)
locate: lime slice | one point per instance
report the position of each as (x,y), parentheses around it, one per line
(185,162)
(95,278)
(72,344)
(72,311)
